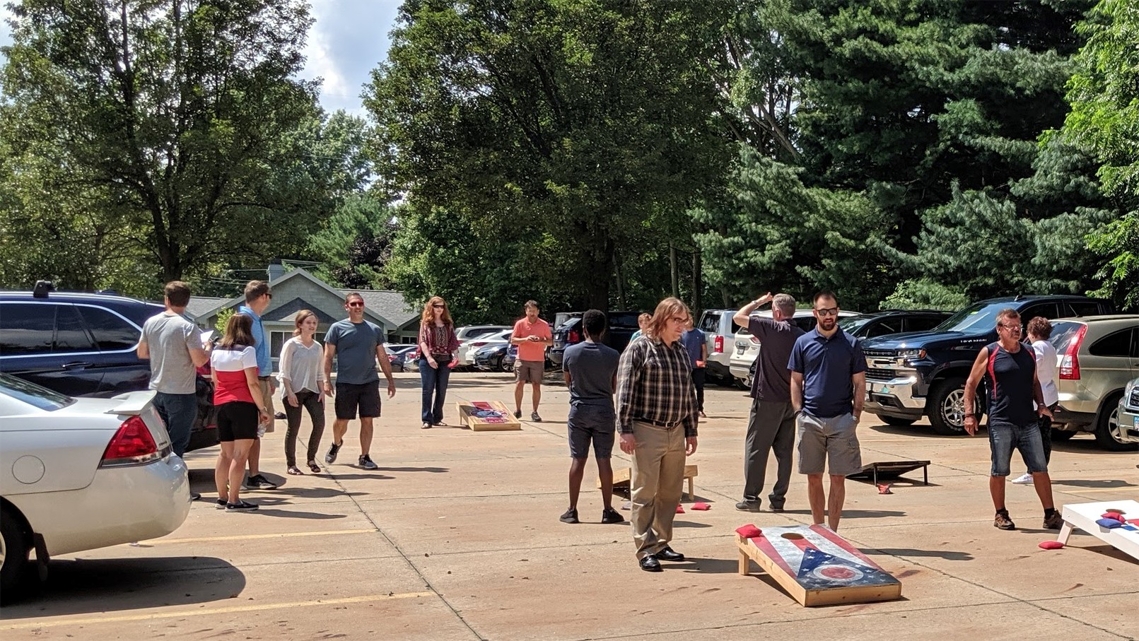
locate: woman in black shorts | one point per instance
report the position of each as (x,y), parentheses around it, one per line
(237,395)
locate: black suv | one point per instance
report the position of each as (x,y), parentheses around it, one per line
(921,373)
(83,345)
(622,326)
(892,321)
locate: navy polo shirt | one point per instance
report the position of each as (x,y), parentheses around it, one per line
(827,366)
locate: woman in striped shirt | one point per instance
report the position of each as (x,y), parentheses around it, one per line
(437,347)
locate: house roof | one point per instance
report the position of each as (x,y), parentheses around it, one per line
(389,304)
(200,305)
(288,312)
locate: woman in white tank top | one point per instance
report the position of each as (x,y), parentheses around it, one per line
(1039,331)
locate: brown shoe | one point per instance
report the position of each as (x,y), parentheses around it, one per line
(1054,522)
(1002,522)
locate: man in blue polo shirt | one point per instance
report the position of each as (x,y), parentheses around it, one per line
(828,389)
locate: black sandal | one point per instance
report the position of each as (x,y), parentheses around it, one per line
(295,471)
(314,467)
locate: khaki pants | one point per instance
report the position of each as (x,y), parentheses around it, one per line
(267,399)
(658,482)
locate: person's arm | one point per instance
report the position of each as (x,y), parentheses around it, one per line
(287,371)
(255,391)
(1038,396)
(859,381)
(425,348)
(329,354)
(628,371)
(797,391)
(745,312)
(975,376)
(143,350)
(386,366)
(548,338)
(516,339)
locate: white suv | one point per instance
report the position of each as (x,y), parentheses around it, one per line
(742,361)
(719,333)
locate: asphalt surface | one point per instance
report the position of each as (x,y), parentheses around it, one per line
(456,536)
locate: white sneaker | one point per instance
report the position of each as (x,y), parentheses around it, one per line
(1023,479)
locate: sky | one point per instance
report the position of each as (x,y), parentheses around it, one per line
(348,40)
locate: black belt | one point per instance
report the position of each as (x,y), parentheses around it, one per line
(667,426)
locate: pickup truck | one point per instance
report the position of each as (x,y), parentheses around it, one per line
(923,373)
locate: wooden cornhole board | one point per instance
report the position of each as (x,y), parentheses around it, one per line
(1083,516)
(487,416)
(621,478)
(816,566)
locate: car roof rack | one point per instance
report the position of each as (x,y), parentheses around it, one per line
(42,288)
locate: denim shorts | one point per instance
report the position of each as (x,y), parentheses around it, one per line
(1003,438)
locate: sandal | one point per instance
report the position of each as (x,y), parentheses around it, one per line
(295,471)
(440,424)
(314,467)
(426,426)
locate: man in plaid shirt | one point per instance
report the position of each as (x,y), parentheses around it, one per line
(657,418)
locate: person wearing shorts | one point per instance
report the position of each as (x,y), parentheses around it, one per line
(828,388)
(532,335)
(1008,369)
(233,367)
(356,344)
(590,371)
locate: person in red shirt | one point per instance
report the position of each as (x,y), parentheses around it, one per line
(532,335)
(240,407)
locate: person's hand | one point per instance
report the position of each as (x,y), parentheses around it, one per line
(628,443)
(453,364)
(391,387)
(1044,411)
(690,445)
(293,400)
(328,389)
(272,384)
(533,338)
(263,417)
(432,363)
(320,398)
(971,424)
(699,364)
(857,414)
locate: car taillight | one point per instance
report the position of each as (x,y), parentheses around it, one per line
(478,344)
(132,444)
(573,337)
(1070,362)
(718,345)
(754,340)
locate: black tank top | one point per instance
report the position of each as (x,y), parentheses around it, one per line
(1010,386)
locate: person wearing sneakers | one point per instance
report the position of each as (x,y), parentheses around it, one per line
(532,336)
(1009,370)
(237,395)
(590,370)
(657,418)
(257,300)
(356,344)
(694,341)
(771,422)
(1039,331)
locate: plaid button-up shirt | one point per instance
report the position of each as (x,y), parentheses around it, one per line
(654,384)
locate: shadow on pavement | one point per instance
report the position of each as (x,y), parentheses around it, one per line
(1106,484)
(857,514)
(82,586)
(948,555)
(917,431)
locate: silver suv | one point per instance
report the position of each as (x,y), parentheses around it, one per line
(720,334)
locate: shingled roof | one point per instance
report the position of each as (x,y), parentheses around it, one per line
(389,304)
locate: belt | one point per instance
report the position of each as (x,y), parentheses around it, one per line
(667,426)
(264,378)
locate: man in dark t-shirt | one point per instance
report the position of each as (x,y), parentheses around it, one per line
(695,343)
(590,370)
(1009,370)
(771,423)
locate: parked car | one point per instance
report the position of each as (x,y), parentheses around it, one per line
(82,473)
(466,355)
(892,321)
(1129,412)
(743,359)
(80,344)
(1098,358)
(492,358)
(399,354)
(622,326)
(720,334)
(924,373)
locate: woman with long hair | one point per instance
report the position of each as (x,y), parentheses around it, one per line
(437,347)
(302,378)
(237,395)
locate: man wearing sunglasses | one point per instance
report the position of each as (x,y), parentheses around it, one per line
(356,344)
(828,389)
(258,298)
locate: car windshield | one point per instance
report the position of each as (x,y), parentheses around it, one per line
(32,394)
(974,319)
(852,324)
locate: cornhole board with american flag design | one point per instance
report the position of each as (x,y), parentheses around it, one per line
(817,566)
(487,416)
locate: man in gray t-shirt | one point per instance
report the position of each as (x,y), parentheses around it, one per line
(590,370)
(771,423)
(174,347)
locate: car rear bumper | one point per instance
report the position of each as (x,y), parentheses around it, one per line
(121,505)
(555,355)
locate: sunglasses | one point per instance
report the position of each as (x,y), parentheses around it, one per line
(827,311)
(356,304)
(439,306)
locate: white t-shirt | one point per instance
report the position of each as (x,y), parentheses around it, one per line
(302,366)
(1046,370)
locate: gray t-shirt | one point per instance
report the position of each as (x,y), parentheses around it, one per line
(772,380)
(169,338)
(355,350)
(591,368)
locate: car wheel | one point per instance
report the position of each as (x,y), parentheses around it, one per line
(898,422)
(947,407)
(14,550)
(750,375)
(1108,431)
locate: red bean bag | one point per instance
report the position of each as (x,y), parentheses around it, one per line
(749,531)
(1051,545)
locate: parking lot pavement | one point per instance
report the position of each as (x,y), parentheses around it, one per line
(456,536)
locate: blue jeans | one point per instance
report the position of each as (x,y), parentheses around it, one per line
(1003,438)
(434,381)
(178,411)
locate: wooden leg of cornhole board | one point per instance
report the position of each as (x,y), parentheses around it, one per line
(744,558)
(691,494)
(1065,532)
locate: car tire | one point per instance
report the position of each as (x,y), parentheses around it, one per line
(898,422)
(13,555)
(1107,430)
(947,407)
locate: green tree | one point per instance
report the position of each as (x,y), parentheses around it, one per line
(355,242)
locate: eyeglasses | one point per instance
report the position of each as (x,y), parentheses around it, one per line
(827,311)
(439,306)
(356,304)
(679,319)
(1015,328)
(270,296)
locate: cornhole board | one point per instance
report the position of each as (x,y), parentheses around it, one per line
(621,478)
(816,566)
(890,471)
(487,416)
(1083,516)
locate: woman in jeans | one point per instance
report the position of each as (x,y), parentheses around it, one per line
(302,378)
(437,347)
(237,395)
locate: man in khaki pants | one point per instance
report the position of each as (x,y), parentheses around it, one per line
(657,418)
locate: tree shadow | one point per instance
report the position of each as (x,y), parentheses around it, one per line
(82,586)
(1105,484)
